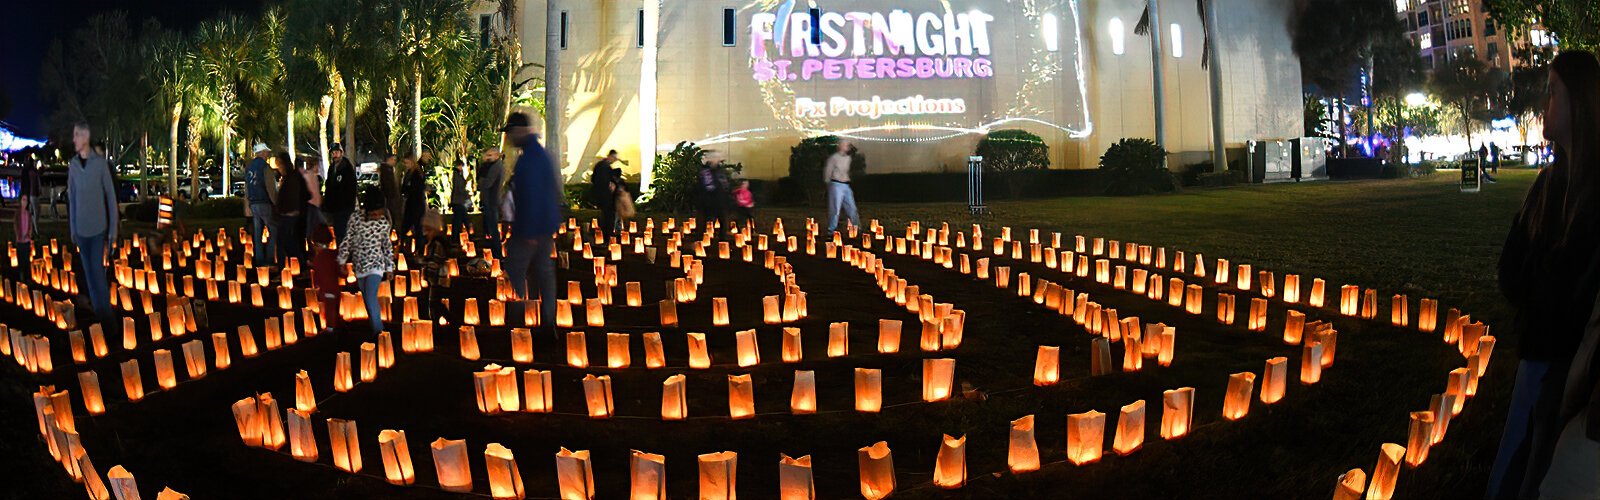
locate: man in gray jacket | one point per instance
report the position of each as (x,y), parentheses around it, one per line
(491,182)
(93,215)
(261,189)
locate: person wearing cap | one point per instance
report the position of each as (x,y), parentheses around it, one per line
(339,192)
(368,251)
(536,189)
(93,217)
(261,190)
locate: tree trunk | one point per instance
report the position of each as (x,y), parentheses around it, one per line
(1219,148)
(144,163)
(322,119)
(289,126)
(1156,79)
(227,150)
(416,112)
(172,160)
(349,115)
(194,155)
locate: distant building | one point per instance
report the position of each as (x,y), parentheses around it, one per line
(916,83)
(1445,29)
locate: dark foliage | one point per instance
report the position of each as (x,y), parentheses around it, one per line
(1133,166)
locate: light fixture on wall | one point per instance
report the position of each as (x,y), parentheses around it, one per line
(1118,42)
(1177,41)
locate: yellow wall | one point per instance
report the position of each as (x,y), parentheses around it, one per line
(706,90)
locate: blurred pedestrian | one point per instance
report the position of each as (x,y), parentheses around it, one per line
(744,204)
(460,198)
(27,202)
(605,180)
(414,190)
(491,184)
(537,190)
(836,172)
(93,217)
(294,199)
(339,193)
(1550,271)
(713,193)
(389,183)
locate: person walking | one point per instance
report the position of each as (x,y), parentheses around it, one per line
(414,190)
(93,217)
(537,191)
(460,198)
(744,204)
(294,198)
(604,183)
(1494,157)
(491,182)
(389,183)
(368,251)
(261,189)
(312,171)
(1550,272)
(713,190)
(339,193)
(836,172)
(28,195)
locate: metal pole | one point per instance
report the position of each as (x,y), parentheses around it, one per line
(553,108)
(1155,75)
(1219,153)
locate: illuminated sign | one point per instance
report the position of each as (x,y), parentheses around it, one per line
(878,46)
(878,107)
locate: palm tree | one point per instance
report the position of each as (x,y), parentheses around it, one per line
(167,56)
(428,31)
(343,39)
(1208,56)
(230,55)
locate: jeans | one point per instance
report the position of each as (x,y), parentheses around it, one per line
(92,253)
(292,236)
(491,216)
(369,294)
(1511,463)
(261,214)
(340,220)
(840,195)
(524,253)
(459,218)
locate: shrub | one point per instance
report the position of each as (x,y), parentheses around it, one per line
(1012,150)
(677,179)
(1134,166)
(806,161)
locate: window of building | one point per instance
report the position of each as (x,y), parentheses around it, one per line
(730,27)
(1422,18)
(1488,27)
(1426,41)
(1493,51)
(638,30)
(1177,41)
(1428,61)
(1118,37)
(565,20)
(485,25)
(1457,8)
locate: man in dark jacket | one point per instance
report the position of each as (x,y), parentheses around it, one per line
(339,192)
(460,198)
(604,182)
(491,179)
(415,191)
(536,189)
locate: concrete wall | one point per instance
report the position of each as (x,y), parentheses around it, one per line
(706,91)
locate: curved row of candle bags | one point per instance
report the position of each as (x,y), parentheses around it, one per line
(1458,330)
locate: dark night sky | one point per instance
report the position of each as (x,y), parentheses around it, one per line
(28,26)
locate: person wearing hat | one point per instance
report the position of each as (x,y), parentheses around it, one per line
(368,251)
(261,190)
(536,189)
(339,192)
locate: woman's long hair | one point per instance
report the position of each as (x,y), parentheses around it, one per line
(1568,205)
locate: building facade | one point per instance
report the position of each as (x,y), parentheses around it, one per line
(915,83)
(1446,29)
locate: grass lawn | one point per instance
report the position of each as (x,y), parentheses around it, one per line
(1417,237)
